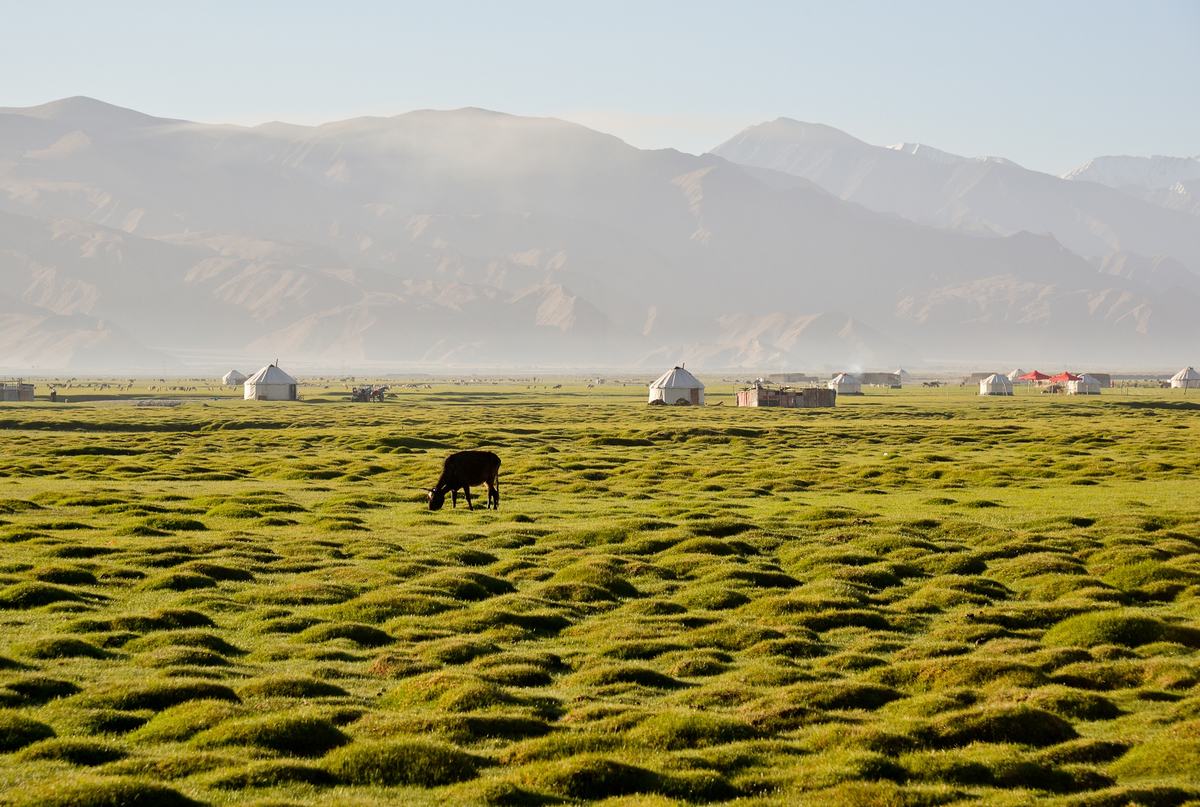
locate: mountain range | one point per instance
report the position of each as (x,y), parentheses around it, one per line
(474,239)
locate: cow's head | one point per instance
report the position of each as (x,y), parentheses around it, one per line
(436,498)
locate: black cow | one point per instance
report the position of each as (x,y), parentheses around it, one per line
(463,469)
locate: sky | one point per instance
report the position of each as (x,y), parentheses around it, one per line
(1047,83)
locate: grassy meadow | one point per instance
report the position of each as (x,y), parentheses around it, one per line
(920,597)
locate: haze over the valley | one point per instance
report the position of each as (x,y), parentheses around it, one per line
(470,238)
(466,238)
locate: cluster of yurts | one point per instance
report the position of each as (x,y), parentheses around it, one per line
(678,386)
(1084,384)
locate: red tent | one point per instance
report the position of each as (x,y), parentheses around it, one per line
(1034,376)
(1064,376)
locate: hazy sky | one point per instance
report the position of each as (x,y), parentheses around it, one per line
(1048,83)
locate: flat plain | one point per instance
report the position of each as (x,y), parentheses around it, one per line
(920,597)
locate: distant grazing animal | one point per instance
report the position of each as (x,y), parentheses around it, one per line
(463,469)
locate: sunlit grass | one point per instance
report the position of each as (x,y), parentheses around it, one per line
(919,597)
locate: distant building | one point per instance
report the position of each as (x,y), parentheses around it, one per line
(793,378)
(1103,379)
(270,384)
(890,380)
(233,378)
(995,384)
(805,398)
(677,386)
(16,391)
(1084,385)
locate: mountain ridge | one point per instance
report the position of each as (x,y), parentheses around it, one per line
(476,238)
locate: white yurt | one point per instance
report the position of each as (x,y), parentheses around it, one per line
(233,378)
(1014,375)
(1086,385)
(995,384)
(905,375)
(270,384)
(845,384)
(1187,378)
(677,386)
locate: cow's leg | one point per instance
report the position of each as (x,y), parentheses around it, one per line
(454,497)
(494,493)
(467,493)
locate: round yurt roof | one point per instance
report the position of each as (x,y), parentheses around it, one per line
(1015,374)
(995,378)
(677,378)
(232,376)
(1089,379)
(840,377)
(270,374)
(1186,374)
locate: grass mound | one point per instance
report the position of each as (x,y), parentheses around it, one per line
(18,731)
(1120,627)
(61,647)
(674,730)
(1174,758)
(361,635)
(22,596)
(157,695)
(1022,725)
(302,736)
(290,687)
(73,751)
(106,792)
(272,774)
(184,721)
(588,777)
(408,762)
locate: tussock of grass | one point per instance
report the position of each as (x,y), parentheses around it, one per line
(1022,725)
(18,731)
(304,736)
(359,634)
(290,687)
(54,647)
(408,762)
(72,751)
(675,730)
(106,792)
(184,721)
(33,595)
(157,694)
(272,774)
(1119,627)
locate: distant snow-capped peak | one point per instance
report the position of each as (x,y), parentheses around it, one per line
(1145,173)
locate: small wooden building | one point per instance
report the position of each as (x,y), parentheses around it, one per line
(15,391)
(785,398)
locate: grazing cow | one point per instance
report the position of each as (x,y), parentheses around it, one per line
(463,469)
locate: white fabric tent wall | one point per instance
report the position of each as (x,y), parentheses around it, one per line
(1187,378)
(675,385)
(845,384)
(270,384)
(1086,385)
(995,384)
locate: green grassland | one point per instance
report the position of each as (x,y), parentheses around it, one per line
(920,597)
